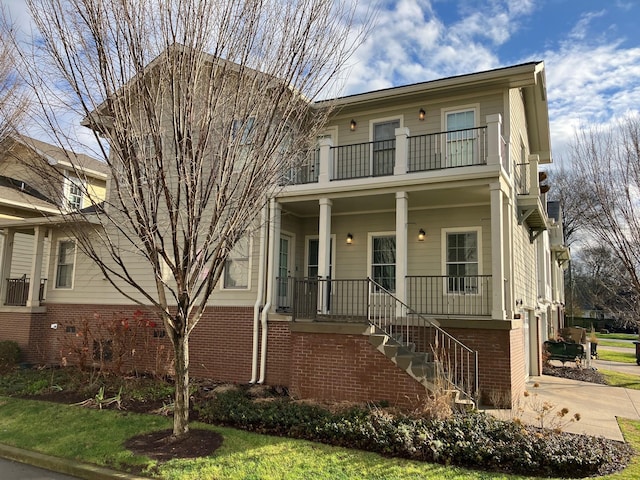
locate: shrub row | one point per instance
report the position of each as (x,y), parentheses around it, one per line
(9,353)
(473,440)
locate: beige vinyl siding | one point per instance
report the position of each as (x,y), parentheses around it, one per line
(90,286)
(517,127)
(490,103)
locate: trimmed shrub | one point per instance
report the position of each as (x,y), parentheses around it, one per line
(9,353)
(473,440)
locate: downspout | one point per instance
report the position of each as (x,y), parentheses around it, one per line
(260,295)
(270,280)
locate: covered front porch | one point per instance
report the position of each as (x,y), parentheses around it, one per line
(23,266)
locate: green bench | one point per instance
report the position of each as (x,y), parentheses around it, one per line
(564,351)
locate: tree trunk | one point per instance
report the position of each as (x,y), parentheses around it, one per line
(181,408)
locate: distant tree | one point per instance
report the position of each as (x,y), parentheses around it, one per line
(201,110)
(606,162)
(566,188)
(602,284)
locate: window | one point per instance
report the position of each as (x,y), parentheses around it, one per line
(462,267)
(236,269)
(73,193)
(384,147)
(66,258)
(383,261)
(461,137)
(243,130)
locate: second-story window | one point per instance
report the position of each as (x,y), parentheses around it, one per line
(73,193)
(242,131)
(461,138)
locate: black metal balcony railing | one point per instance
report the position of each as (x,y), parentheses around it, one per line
(304,170)
(313,298)
(369,159)
(447,295)
(459,148)
(18,291)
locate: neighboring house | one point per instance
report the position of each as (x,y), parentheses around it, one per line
(418,225)
(26,196)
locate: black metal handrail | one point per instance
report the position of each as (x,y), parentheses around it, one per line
(450,295)
(368,159)
(457,363)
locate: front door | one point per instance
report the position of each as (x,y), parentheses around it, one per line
(285,285)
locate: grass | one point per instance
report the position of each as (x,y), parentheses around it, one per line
(613,343)
(618,336)
(94,436)
(621,357)
(617,379)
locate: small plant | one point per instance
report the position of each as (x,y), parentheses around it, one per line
(9,353)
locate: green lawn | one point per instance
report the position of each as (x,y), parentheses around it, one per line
(618,336)
(95,436)
(626,380)
(622,357)
(613,343)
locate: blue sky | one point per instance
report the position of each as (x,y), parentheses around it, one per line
(591,49)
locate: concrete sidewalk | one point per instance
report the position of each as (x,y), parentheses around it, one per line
(598,405)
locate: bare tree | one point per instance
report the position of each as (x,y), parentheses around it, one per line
(201,110)
(567,188)
(607,163)
(13,102)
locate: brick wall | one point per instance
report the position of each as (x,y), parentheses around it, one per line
(500,361)
(29,331)
(339,367)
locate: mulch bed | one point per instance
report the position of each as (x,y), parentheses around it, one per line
(590,375)
(162,446)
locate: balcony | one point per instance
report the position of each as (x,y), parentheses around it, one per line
(18,291)
(531,200)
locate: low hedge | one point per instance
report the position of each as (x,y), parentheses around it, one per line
(9,353)
(472,440)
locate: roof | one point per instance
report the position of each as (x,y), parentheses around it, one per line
(18,199)
(59,156)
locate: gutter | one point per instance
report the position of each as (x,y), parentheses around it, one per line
(270,277)
(260,296)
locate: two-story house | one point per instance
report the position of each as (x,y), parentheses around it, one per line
(413,247)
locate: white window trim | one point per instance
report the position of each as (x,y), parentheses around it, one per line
(458,109)
(249,270)
(56,264)
(445,231)
(375,121)
(370,236)
(69,180)
(306,253)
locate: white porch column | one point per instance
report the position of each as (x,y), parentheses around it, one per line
(534,184)
(507,256)
(5,266)
(324,252)
(326,165)
(402,151)
(494,139)
(402,217)
(274,253)
(497,252)
(33,298)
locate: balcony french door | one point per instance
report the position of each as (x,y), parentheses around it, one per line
(461,138)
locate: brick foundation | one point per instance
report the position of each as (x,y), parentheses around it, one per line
(326,365)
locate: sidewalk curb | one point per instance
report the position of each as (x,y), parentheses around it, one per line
(62,465)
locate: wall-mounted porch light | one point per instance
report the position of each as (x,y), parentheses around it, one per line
(421,235)
(353,125)
(349,239)
(421,114)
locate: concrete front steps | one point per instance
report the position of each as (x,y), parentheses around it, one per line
(422,367)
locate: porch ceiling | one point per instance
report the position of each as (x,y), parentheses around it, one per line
(356,202)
